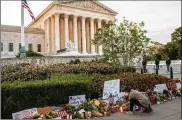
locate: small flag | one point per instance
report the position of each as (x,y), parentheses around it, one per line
(25,5)
(61,114)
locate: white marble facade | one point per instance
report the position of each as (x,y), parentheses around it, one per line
(73,20)
(8,36)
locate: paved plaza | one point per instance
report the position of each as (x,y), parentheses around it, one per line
(170,110)
(163,69)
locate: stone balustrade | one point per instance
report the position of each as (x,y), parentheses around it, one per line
(47,60)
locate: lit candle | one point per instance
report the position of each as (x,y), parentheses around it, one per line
(67,117)
(121,109)
(70,116)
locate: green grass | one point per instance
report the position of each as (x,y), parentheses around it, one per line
(56,79)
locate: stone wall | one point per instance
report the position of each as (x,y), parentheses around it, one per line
(46,60)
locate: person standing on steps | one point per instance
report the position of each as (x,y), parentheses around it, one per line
(157,62)
(168,63)
(144,64)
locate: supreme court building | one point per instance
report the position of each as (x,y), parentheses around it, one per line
(57,24)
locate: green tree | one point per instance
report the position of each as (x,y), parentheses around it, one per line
(176,40)
(122,44)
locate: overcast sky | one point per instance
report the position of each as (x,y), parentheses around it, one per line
(160,17)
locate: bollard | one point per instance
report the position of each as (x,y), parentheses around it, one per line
(171,72)
(156,71)
(141,71)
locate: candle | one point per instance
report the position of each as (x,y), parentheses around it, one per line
(121,109)
(67,117)
(70,116)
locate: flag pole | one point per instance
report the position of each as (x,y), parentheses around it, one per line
(22,50)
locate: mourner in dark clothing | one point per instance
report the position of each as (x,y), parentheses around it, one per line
(157,63)
(168,63)
(144,64)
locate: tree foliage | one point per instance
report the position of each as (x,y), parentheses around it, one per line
(122,43)
(172,49)
(176,40)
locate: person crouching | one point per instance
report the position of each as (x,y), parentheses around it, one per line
(137,98)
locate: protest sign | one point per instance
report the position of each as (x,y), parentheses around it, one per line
(25,113)
(111,89)
(160,88)
(120,97)
(76,100)
(178,85)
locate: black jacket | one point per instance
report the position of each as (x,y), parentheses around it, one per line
(144,62)
(168,62)
(157,62)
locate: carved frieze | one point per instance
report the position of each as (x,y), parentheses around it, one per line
(89,5)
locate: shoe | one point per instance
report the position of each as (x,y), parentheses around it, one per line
(129,113)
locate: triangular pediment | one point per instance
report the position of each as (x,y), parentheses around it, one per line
(89,5)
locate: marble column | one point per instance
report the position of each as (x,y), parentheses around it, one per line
(83,36)
(66,30)
(75,31)
(57,32)
(52,34)
(45,40)
(48,35)
(92,35)
(87,24)
(100,46)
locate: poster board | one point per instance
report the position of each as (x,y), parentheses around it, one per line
(120,97)
(178,85)
(76,100)
(111,89)
(28,113)
(160,88)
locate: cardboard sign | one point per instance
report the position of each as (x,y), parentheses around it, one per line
(44,110)
(81,111)
(119,97)
(111,89)
(25,113)
(178,85)
(160,88)
(76,100)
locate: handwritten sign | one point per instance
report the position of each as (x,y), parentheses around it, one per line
(120,97)
(76,100)
(160,88)
(111,89)
(25,113)
(178,85)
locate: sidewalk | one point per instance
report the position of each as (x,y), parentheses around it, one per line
(170,110)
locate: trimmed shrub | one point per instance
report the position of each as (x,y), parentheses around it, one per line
(26,72)
(23,72)
(137,81)
(30,53)
(22,95)
(88,68)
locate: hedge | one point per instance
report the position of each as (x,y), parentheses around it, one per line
(23,72)
(88,68)
(141,82)
(26,72)
(22,95)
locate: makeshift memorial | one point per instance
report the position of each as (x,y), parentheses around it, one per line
(80,108)
(25,113)
(160,88)
(111,89)
(76,100)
